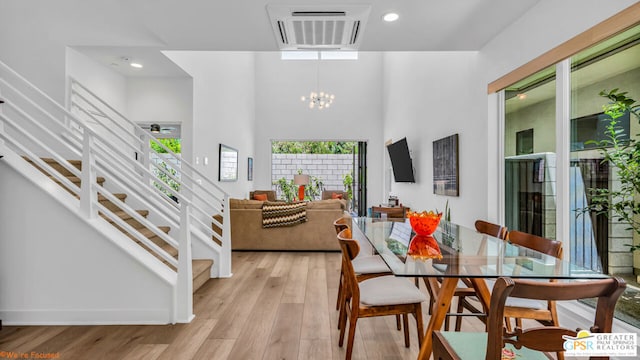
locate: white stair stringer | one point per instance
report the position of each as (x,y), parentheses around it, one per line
(58,267)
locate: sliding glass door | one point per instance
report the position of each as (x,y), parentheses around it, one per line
(598,241)
(534,130)
(529,164)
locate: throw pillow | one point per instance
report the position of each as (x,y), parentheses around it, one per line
(261,197)
(336,196)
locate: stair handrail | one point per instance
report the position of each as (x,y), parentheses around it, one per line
(224,239)
(185,185)
(149,137)
(74,147)
(188,164)
(89,136)
(168,174)
(75,189)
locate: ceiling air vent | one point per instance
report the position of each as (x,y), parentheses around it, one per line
(316,27)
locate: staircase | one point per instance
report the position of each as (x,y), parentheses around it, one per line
(118,179)
(200,268)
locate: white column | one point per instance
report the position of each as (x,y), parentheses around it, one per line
(1,122)
(495,158)
(184,301)
(563,128)
(88,196)
(224,269)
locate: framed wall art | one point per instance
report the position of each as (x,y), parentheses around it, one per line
(227,164)
(250,169)
(445,166)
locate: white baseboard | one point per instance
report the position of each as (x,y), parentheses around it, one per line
(86,317)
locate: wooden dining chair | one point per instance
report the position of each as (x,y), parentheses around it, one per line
(380,296)
(544,312)
(465,289)
(342,223)
(492,229)
(365,266)
(531,343)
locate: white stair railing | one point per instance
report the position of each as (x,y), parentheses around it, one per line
(205,196)
(35,126)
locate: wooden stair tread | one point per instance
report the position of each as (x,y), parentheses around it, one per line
(50,161)
(75,179)
(54,161)
(201,272)
(169,249)
(201,265)
(164,246)
(120,197)
(149,234)
(124,216)
(146,232)
(201,268)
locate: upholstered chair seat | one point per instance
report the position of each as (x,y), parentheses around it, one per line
(371,264)
(389,290)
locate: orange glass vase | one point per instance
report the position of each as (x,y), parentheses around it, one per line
(424,246)
(424,223)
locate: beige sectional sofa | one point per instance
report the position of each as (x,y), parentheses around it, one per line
(317,233)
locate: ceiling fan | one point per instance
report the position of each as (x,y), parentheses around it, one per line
(159,129)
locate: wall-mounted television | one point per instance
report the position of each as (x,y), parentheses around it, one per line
(401,161)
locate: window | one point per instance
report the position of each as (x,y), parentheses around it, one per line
(322,55)
(524,142)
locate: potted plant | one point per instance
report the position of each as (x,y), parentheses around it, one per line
(287,188)
(623,154)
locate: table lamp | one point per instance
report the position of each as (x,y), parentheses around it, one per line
(301,180)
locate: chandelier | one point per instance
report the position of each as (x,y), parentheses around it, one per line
(318,99)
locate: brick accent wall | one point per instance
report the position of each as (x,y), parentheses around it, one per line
(330,168)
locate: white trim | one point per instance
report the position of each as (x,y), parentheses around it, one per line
(44,317)
(500,155)
(563,131)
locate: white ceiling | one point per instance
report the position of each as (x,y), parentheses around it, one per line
(140,29)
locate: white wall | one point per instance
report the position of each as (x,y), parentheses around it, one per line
(356,113)
(223,111)
(160,100)
(104,82)
(428,96)
(52,272)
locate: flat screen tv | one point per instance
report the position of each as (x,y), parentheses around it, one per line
(401,161)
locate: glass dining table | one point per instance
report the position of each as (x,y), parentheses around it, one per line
(465,254)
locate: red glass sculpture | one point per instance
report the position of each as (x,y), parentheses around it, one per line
(424,246)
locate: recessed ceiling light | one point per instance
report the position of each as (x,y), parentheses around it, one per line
(389,17)
(136,65)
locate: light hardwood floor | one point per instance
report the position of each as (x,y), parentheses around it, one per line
(276,306)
